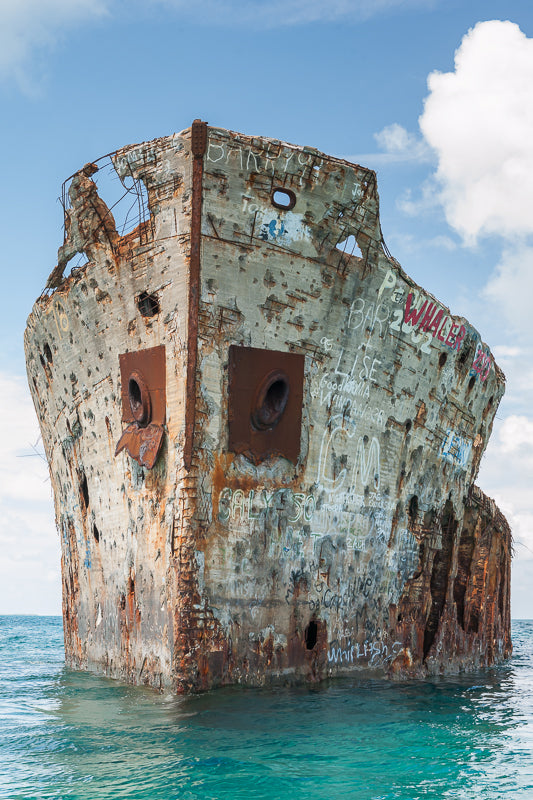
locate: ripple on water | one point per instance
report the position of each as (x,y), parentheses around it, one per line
(73,735)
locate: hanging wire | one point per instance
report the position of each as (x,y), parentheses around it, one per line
(129,211)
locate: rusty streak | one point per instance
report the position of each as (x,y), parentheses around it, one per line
(315,428)
(198,147)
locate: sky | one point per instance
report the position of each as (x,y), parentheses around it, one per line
(435,95)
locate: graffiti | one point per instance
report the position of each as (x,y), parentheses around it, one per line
(365,527)
(272,230)
(354,406)
(348,385)
(403,558)
(366,465)
(280,230)
(363,369)
(277,161)
(356,592)
(482,363)
(422,318)
(60,317)
(291,164)
(87,559)
(236,504)
(456,449)
(344,652)
(368,315)
(431,319)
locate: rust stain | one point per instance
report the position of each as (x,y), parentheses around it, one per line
(265,403)
(309,505)
(198,148)
(143,380)
(143,444)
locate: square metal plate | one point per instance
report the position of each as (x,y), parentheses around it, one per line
(151,365)
(265,403)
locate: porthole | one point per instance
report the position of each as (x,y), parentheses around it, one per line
(283,198)
(270,401)
(139,397)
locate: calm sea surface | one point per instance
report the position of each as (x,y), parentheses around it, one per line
(66,734)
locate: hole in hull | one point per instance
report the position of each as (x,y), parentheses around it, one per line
(350,247)
(84,488)
(48,352)
(148,304)
(311,635)
(440,576)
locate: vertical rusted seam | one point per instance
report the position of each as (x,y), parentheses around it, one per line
(198,148)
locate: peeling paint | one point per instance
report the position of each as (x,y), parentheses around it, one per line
(255,543)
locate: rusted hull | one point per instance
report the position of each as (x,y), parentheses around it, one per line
(263,448)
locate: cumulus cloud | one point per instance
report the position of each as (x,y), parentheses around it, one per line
(401,145)
(516,435)
(510,288)
(507,475)
(397,145)
(479,120)
(424,200)
(28,540)
(503,352)
(30,27)
(408,244)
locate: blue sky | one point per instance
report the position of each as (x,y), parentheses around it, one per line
(435,95)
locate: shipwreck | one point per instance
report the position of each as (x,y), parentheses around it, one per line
(262,435)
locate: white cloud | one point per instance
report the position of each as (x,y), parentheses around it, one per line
(400,145)
(506,475)
(407,244)
(510,288)
(428,198)
(516,435)
(28,539)
(479,120)
(503,352)
(397,145)
(29,27)
(21,471)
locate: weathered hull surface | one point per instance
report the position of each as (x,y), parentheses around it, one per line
(298,431)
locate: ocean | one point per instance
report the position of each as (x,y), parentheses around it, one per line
(66,734)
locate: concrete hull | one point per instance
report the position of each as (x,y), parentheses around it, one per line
(263,437)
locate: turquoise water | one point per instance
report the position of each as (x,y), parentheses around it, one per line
(65,734)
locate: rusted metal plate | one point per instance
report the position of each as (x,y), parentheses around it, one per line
(143,444)
(150,366)
(265,403)
(143,380)
(226,563)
